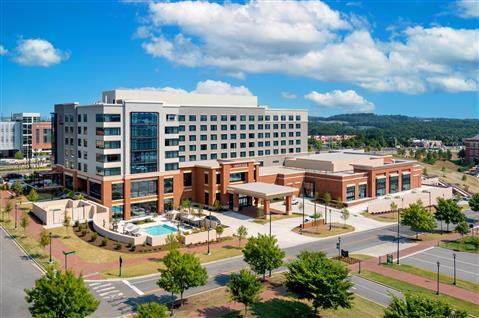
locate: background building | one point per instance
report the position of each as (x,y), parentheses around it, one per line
(472,149)
(10,138)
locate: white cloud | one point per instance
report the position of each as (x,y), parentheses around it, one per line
(308,38)
(38,52)
(288,95)
(3,50)
(348,100)
(467,8)
(206,87)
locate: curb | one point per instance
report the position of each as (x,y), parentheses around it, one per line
(24,251)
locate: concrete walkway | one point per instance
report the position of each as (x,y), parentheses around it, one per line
(447,289)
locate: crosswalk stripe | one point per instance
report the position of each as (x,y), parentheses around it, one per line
(108,292)
(105,289)
(93,284)
(101,286)
(111,296)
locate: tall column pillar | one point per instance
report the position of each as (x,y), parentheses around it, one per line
(266,208)
(235,202)
(289,210)
(126,200)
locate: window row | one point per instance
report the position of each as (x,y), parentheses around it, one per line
(240,127)
(242,154)
(241,136)
(236,117)
(241,145)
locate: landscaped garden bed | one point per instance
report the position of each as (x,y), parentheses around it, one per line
(324,231)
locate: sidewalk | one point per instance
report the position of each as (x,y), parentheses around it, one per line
(446,289)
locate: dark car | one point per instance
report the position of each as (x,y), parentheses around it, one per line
(213,218)
(10,176)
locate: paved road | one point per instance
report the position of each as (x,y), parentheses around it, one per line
(16,273)
(467,264)
(219,273)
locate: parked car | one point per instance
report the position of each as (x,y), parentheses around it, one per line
(213,218)
(11,176)
(293,202)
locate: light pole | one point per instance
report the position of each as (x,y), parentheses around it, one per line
(339,246)
(399,237)
(303,208)
(270,221)
(120,263)
(66,257)
(330,219)
(437,290)
(172,297)
(454,259)
(16,210)
(50,237)
(209,227)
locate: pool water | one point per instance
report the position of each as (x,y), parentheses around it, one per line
(158,230)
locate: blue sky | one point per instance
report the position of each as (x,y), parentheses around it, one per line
(387,57)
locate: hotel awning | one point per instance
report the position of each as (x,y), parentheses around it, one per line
(262,190)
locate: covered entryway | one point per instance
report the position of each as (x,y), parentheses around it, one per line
(260,191)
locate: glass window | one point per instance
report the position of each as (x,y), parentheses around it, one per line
(362,191)
(117,212)
(237,176)
(171,154)
(406,182)
(192,128)
(251,117)
(350,193)
(144,188)
(224,118)
(171,142)
(380,186)
(393,184)
(213,117)
(104,118)
(144,142)
(213,156)
(206,178)
(203,118)
(242,117)
(171,130)
(100,144)
(171,166)
(144,209)
(181,117)
(218,178)
(168,185)
(108,171)
(168,204)
(192,137)
(101,131)
(117,191)
(187,179)
(192,157)
(192,117)
(95,190)
(233,117)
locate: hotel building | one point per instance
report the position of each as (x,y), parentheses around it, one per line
(141,152)
(472,149)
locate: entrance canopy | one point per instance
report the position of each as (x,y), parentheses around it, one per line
(262,190)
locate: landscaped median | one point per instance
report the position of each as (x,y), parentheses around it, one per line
(405,287)
(323,230)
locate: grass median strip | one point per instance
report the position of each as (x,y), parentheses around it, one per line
(471,308)
(445,279)
(323,230)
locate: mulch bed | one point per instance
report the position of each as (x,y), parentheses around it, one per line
(347,260)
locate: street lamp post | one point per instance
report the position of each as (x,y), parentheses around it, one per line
(399,237)
(66,257)
(50,237)
(303,207)
(172,298)
(330,219)
(120,263)
(209,227)
(339,246)
(454,258)
(437,290)
(16,210)
(270,222)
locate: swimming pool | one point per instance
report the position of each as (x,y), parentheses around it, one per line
(162,229)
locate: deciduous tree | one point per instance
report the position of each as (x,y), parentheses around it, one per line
(421,306)
(244,288)
(462,228)
(263,254)
(60,295)
(345,215)
(418,218)
(448,211)
(152,310)
(182,272)
(474,202)
(242,232)
(33,196)
(323,281)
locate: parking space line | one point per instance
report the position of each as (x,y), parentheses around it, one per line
(450,258)
(442,265)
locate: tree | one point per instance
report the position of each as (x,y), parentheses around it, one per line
(8,209)
(418,218)
(172,242)
(464,177)
(448,211)
(474,202)
(393,206)
(462,228)
(323,281)
(186,205)
(244,288)
(152,310)
(66,222)
(24,221)
(44,238)
(242,232)
(345,215)
(59,295)
(32,195)
(182,272)
(18,156)
(461,154)
(217,206)
(262,253)
(415,305)
(327,200)
(219,230)
(17,188)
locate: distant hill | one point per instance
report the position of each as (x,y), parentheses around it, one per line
(450,131)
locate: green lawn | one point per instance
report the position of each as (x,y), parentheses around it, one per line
(323,230)
(383,217)
(144,268)
(464,244)
(445,279)
(361,257)
(471,308)
(277,217)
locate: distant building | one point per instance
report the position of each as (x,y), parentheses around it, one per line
(335,138)
(426,143)
(472,148)
(24,132)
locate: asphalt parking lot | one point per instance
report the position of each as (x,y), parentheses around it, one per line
(467,264)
